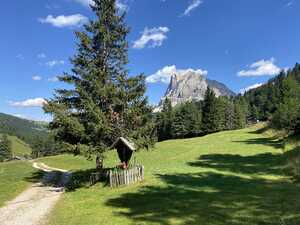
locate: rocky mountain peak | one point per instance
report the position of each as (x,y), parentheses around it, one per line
(191,85)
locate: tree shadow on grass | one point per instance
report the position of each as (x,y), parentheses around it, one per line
(272,141)
(261,130)
(267,163)
(211,198)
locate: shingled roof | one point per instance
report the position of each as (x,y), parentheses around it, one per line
(126,142)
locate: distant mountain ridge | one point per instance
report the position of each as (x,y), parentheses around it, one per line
(26,130)
(192,85)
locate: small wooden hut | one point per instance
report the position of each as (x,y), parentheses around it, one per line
(125,149)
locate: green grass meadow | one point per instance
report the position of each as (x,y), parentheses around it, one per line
(14,178)
(232,177)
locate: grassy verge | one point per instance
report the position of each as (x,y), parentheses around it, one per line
(232,177)
(13,179)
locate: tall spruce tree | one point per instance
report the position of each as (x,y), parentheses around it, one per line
(193,119)
(179,125)
(240,113)
(103,103)
(5,148)
(209,112)
(164,121)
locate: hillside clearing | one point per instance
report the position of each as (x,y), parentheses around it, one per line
(232,177)
(19,147)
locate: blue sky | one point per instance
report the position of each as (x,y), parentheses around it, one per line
(241,43)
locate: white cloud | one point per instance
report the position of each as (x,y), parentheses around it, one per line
(35,102)
(41,56)
(53,79)
(164,75)
(85,2)
(290,3)
(153,37)
(242,91)
(65,21)
(20,56)
(193,5)
(36,78)
(121,6)
(261,68)
(53,63)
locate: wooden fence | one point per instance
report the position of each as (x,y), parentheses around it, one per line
(100,175)
(126,177)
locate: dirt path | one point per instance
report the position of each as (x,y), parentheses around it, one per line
(32,206)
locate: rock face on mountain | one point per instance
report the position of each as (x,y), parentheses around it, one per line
(190,86)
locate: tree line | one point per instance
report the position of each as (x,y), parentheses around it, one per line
(277,101)
(197,118)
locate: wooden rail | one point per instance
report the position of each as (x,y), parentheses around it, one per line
(126,177)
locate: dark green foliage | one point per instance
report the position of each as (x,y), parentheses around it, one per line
(240,112)
(194,119)
(46,147)
(179,122)
(164,121)
(278,101)
(210,112)
(179,125)
(287,115)
(187,121)
(104,103)
(229,115)
(24,129)
(222,104)
(5,148)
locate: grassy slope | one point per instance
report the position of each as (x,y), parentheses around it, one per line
(225,178)
(14,179)
(67,162)
(19,147)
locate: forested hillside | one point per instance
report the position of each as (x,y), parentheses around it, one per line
(24,129)
(198,118)
(278,101)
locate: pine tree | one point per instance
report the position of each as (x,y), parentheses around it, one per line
(103,103)
(193,119)
(164,121)
(5,148)
(179,126)
(209,112)
(287,115)
(239,114)
(221,104)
